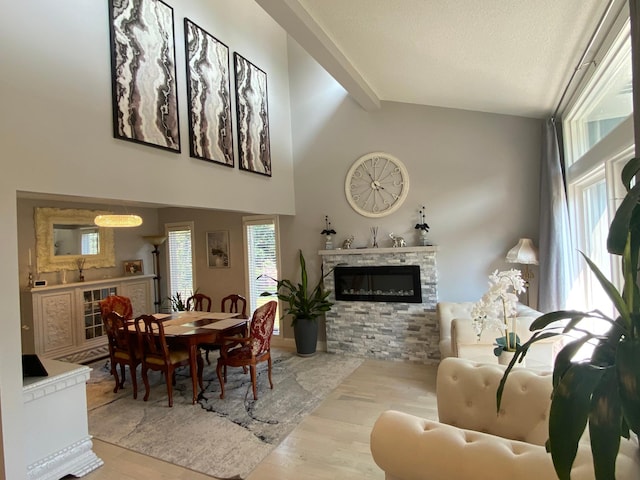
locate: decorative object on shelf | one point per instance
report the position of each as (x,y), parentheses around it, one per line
(80,263)
(374,237)
(133,267)
(30,276)
(208,87)
(328,232)
(376,184)
(497,309)
(63,279)
(304,305)
(526,254)
(156,241)
(143,69)
(398,241)
(218,249)
(422,227)
(254,152)
(602,390)
(117,221)
(346,244)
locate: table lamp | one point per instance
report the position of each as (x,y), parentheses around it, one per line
(526,254)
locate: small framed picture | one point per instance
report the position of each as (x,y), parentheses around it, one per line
(133,267)
(218,249)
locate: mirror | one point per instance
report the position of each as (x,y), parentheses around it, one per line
(69,239)
(63,235)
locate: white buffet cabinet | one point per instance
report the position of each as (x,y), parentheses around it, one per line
(55,409)
(63,321)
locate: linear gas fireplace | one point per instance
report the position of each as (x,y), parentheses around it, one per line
(388,283)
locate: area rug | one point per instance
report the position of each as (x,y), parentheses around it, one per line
(223,438)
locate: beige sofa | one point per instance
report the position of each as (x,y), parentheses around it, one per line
(471,441)
(458,337)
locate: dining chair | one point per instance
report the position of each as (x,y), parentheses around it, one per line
(157,355)
(116,303)
(233,303)
(197,302)
(123,350)
(249,351)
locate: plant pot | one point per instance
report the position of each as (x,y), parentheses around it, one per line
(505,358)
(306,334)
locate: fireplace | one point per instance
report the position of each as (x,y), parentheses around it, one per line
(386,283)
(388,330)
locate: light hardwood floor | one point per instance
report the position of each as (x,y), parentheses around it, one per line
(332,442)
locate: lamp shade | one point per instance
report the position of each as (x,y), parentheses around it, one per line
(524,252)
(116,221)
(155,240)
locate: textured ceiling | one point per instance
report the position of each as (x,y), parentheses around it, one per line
(504,56)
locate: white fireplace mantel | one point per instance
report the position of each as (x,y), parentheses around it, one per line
(366,251)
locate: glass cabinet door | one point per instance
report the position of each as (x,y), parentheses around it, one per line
(93,327)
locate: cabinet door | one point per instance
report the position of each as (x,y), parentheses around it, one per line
(55,330)
(140,295)
(91,324)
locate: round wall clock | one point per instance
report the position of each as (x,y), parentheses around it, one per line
(376,184)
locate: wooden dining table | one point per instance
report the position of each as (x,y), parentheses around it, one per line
(190,329)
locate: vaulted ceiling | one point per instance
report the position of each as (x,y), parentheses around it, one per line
(511,57)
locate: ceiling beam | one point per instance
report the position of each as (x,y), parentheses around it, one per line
(297,22)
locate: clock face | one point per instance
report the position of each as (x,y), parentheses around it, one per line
(376,184)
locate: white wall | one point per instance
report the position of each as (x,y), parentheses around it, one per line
(477,174)
(56,137)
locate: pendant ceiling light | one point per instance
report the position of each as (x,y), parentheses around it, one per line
(117,221)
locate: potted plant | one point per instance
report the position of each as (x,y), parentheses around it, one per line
(497,310)
(602,391)
(305,305)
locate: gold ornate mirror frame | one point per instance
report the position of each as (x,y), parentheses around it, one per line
(47,261)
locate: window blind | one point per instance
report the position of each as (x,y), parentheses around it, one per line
(180,252)
(262,263)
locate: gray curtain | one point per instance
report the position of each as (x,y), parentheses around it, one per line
(555,248)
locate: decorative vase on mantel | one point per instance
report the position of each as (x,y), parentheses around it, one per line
(423,238)
(328,242)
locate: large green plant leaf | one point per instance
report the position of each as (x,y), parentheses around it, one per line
(544,321)
(622,224)
(628,370)
(611,291)
(562,362)
(604,425)
(570,406)
(629,171)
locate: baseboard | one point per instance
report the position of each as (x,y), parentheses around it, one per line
(290,344)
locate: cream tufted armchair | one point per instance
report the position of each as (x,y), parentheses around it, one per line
(471,441)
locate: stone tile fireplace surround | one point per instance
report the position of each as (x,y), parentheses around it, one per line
(383,330)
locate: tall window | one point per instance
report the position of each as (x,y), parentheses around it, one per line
(261,239)
(605,102)
(598,142)
(180,259)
